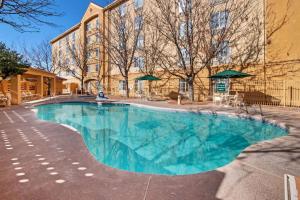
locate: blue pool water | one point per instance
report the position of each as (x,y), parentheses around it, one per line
(159,142)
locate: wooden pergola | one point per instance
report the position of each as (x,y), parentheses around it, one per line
(33,81)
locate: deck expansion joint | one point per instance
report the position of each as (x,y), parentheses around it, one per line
(147,188)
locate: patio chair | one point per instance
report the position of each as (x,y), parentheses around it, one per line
(238,100)
(156,97)
(24,96)
(218,99)
(140,94)
(291,187)
(3,99)
(249,102)
(32,96)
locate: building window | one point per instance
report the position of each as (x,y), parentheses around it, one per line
(182,5)
(139,62)
(138,85)
(89,68)
(216,2)
(59,43)
(140,42)
(122,45)
(122,26)
(121,32)
(89,55)
(97,23)
(182,30)
(219,20)
(223,53)
(73,36)
(138,4)
(88,40)
(138,21)
(185,57)
(88,26)
(69,72)
(183,86)
(73,48)
(97,67)
(97,53)
(73,61)
(122,10)
(97,37)
(122,85)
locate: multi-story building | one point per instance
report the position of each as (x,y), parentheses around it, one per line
(279,58)
(81,40)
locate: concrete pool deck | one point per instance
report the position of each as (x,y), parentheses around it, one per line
(42,160)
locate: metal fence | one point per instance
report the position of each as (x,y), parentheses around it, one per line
(274,93)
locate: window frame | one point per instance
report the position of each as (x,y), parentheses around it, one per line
(138,21)
(97,67)
(73,36)
(185,85)
(186,57)
(138,85)
(122,85)
(219,20)
(122,10)
(139,62)
(140,42)
(138,4)
(221,57)
(97,23)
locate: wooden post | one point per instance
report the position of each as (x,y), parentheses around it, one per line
(15,90)
(53,86)
(40,86)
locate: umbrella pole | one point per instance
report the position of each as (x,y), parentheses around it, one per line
(150,88)
(228,86)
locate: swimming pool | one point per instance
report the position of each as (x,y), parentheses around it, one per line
(152,141)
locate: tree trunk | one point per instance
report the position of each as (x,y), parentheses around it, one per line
(150,88)
(127,86)
(191,89)
(210,82)
(82,85)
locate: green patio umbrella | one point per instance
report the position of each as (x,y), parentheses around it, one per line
(220,85)
(147,78)
(230,74)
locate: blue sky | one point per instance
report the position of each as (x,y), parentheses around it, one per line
(72,11)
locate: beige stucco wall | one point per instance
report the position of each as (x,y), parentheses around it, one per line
(281,61)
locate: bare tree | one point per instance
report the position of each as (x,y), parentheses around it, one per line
(199,33)
(150,48)
(41,57)
(27,15)
(121,37)
(75,60)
